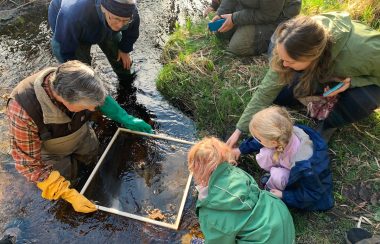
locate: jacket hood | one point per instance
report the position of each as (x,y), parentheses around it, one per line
(319,155)
(339,25)
(232,194)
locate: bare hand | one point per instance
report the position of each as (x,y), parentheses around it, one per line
(216,17)
(207,10)
(228,24)
(236,152)
(125,59)
(277,193)
(234,138)
(347,83)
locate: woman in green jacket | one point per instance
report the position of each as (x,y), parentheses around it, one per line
(231,208)
(311,52)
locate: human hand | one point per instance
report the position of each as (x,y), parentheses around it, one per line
(207,10)
(236,152)
(276,192)
(347,83)
(228,24)
(216,17)
(125,59)
(234,138)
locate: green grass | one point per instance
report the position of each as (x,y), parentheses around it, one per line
(200,78)
(213,87)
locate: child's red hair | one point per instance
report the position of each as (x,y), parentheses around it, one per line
(205,156)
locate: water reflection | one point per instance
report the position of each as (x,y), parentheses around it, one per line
(140,174)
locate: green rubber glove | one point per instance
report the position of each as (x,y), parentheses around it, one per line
(112,110)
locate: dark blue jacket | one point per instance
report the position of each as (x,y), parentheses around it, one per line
(76,22)
(310,181)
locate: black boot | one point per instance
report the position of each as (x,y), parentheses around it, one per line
(354,235)
(326,133)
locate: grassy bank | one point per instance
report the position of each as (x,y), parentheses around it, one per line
(211,86)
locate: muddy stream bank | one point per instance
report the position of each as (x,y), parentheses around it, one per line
(24,49)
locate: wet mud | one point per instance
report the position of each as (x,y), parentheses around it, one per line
(24,49)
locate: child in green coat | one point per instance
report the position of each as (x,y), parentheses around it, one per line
(231,208)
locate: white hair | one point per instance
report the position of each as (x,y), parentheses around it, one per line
(77,82)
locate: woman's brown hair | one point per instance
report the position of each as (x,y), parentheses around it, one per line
(303,39)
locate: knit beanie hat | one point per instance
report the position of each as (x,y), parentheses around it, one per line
(121,8)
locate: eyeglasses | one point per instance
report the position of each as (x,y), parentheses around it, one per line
(116,19)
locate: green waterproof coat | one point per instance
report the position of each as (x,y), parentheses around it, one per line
(237,211)
(355,52)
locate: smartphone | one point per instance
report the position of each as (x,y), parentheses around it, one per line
(340,84)
(214,26)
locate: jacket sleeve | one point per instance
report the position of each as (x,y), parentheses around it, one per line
(262,98)
(309,191)
(25,144)
(130,35)
(267,13)
(249,145)
(67,32)
(215,4)
(226,7)
(360,81)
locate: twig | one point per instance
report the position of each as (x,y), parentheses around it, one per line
(357,128)
(377,162)
(359,206)
(333,152)
(372,136)
(347,148)
(361,220)
(13,2)
(365,147)
(24,4)
(194,65)
(365,132)
(372,180)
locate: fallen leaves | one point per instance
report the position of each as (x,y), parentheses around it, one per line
(156,214)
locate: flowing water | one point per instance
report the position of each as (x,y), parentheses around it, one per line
(24,48)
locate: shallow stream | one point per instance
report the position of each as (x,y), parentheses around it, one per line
(24,49)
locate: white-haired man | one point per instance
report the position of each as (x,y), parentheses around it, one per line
(48,125)
(78,24)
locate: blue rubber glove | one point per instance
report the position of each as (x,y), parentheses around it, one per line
(112,110)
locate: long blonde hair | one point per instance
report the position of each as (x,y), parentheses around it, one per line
(274,124)
(303,39)
(205,156)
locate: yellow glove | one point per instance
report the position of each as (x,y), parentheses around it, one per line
(78,201)
(56,186)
